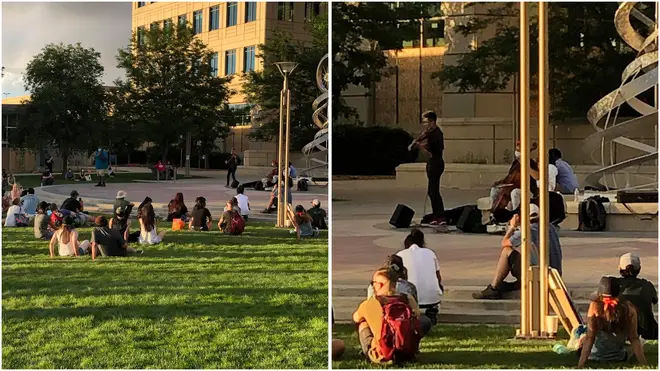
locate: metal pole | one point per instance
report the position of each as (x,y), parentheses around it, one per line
(188,145)
(543,165)
(280,147)
(286,155)
(524,171)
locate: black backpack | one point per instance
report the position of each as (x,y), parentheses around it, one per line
(591,214)
(302,185)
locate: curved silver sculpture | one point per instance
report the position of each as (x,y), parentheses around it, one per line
(639,76)
(320,119)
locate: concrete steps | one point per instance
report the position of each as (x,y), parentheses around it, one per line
(457,305)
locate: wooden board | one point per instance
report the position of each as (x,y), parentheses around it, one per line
(561,302)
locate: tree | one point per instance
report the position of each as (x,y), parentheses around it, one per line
(361,32)
(67,107)
(586,54)
(263,87)
(171,88)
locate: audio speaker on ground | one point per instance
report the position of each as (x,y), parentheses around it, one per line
(470,220)
(402,216)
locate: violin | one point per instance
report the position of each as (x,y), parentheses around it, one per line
(421,139)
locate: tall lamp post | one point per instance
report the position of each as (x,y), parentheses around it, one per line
(285,68)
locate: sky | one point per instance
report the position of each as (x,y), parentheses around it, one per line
(28,27)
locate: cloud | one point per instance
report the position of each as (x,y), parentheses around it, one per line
(28,27)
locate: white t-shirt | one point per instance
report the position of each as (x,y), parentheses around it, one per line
(67,249)
(552,177)
(149,238)
(10,220)
(243,204)
(422,264)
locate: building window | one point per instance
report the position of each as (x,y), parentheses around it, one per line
(140,4)
(248,58)
(250,11)
(312,10)
(183,19)
(153,26)
(214,18)
(214,65)
(232,14)
(230,62)
(140,36)
(198,20)
(285,11)
(167,24)
(434,33)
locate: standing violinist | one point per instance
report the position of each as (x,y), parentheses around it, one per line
(432,143)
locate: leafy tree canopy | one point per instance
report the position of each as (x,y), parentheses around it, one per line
(361,32)
(586,54)
(67,108)
(170,88)
(263,87)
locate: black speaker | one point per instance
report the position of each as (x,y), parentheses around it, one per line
(235,184)
(470,220)
(402,216)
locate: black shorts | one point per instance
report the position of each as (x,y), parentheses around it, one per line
(514,263)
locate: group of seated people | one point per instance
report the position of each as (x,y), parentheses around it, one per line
(620,312)
(506,196)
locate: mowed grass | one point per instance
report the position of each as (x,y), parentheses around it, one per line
(481,346)
(34,181)
(198,300)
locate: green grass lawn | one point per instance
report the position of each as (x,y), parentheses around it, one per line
(198,300)
(481,346)
(33,181)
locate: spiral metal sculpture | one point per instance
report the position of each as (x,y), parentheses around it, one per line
(639,76)
(320,119)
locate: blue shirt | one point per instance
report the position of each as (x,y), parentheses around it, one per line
(289,195)
(553,245)
(102,159)
(292,172)
(30,203)
(566,177)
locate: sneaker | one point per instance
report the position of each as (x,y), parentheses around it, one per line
(98,185)
(440,220)
(488,294)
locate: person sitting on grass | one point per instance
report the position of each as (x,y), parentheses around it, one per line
(302,223)
(423,271)
(403,286)
(121,214)
(509,260)
(177,209)
(318,215)
(30,202)
(369,315)
(47,178)
(15,214)
(109,242)
(243,202)
(201,216)
(273,199)
(147,220)
(610,323)
(74,206)
(147,201)
(227,224)
(640,293)
(67,239)
(42,228)
(69,175)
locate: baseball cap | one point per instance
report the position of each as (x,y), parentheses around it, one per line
(316,202)
(534,211)
(629,259)
(121,194)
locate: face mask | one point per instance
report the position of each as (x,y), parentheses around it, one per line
(517,154)
(99,149)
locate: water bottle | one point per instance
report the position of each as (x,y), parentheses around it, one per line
(560,349)
(576,195)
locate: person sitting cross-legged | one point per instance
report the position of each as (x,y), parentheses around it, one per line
(370,314)
(42,229)
(640,293)
(201,216)
(611,325)
(318,215)
(509,260)
(147,220)
(67,239)
(109,242)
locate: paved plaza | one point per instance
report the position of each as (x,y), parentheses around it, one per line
(362,239)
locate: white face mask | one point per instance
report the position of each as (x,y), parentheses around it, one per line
(517,154)
(99,149)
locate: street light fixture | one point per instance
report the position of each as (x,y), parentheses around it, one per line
(285,68)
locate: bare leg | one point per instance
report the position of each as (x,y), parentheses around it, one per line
(161,235)
(502,268)
(131,250)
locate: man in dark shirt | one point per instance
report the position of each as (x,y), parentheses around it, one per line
(49,162)
(121,213)
(318,215)
(641,293)
(72,203)
(109,242)
(232,164)
(433,146)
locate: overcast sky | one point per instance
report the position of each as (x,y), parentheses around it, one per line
(28,27)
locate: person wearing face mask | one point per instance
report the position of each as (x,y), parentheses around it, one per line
(101,164)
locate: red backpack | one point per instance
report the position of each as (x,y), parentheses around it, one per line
(401,331)
(237,224)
